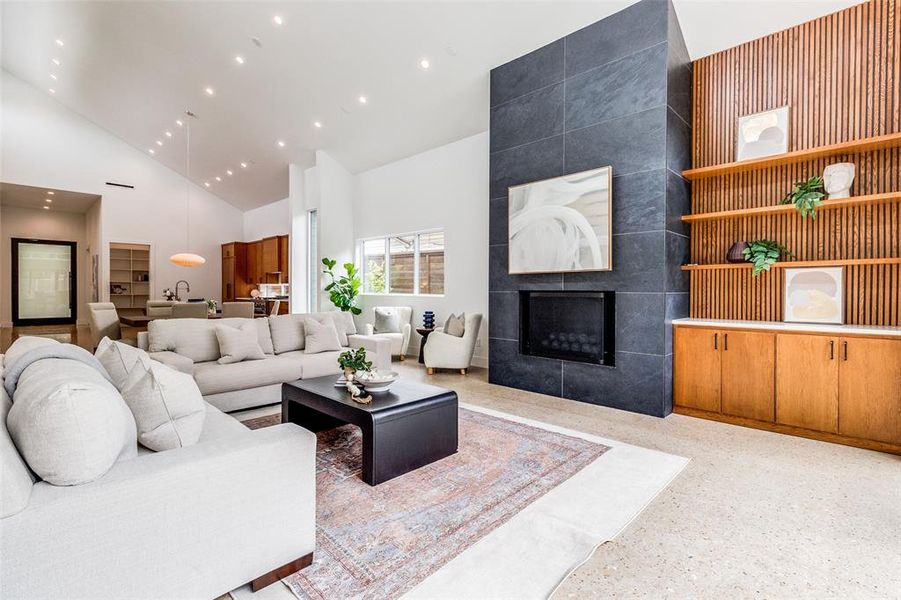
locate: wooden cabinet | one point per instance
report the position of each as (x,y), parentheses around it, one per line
(807,381)
(234,267)
(838,388)
(254,263)
(747,377)
(269,257)
(696,376)
(284,256)
(869,390)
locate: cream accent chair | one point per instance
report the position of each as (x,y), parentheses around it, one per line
(159,308)
(445,351)
(242,310)
(190,310)
(104,322)
(399,341)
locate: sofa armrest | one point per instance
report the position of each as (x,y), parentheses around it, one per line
(143,340)
(407,331)
(170,524)
(377,345)
(176,361)
(368,329)
(445,351)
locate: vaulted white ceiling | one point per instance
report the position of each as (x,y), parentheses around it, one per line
(134,67)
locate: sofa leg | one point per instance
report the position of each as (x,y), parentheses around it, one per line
(462,371)
(283,571)
(402,358)
(430,371)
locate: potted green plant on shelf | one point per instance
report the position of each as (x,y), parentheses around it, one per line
(763,254)
(806,196)
(343,290)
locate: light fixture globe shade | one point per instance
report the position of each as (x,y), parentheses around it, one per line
(186,259)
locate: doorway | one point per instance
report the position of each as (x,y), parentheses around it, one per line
(43,282)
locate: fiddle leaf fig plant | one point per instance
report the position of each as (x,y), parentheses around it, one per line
(763,254)
(806,196)
(343,290)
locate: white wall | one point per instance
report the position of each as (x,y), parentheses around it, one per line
(45,144)
(446,187)
(55,225)
(268,220)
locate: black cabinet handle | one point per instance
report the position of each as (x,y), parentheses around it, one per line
(845,350)
(716,341)
(831,349)
(725,341)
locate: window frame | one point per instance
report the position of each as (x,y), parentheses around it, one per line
(361,260)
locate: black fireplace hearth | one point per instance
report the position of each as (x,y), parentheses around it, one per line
(574,326)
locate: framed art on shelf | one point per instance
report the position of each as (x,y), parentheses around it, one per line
(814,295)
(563,224)
(762,134)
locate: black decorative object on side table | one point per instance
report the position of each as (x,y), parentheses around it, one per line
(424,332)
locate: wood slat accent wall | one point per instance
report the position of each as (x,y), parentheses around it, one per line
(841,77)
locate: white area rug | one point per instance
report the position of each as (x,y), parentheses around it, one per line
(533,552)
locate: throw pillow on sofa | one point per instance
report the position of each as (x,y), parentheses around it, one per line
(386,321)
(167,406)
(69,423)
(238,343)
(321,336)
(118,359)
(455,325)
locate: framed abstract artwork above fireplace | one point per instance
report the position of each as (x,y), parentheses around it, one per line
(563,224)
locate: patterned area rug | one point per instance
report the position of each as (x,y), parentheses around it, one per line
(380,542)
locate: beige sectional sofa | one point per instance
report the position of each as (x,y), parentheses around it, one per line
(191,346)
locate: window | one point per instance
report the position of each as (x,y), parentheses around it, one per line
(313,261)
(411,263)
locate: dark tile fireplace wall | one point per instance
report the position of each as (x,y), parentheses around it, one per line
(614,93)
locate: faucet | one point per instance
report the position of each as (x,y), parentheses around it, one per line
(187,288)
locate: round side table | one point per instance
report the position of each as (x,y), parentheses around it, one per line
(425,335)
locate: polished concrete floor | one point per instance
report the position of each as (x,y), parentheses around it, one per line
(754,515)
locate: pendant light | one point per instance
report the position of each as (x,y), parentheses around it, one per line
(187,258)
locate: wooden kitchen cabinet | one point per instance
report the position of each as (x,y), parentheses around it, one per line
(284,256)
(234,267)
(254,263)
(748,374)
(807,381)
(269,257)
(696,376)
(869,390)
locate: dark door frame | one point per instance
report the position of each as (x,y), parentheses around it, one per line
(73,284)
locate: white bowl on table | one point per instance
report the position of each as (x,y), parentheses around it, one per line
(376,381)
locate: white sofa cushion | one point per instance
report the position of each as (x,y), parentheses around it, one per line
(344,323)
(322,336)
(213,378)
(316,365)
(70,423)
(24,344)
(196,338)
(15,478)
(238,343)
(287,333)
(119,359)
(167,406)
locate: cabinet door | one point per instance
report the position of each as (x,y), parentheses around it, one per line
(749,374)
(254,260)
(228,250)
(228,279)
(284,254)
(696,364)
(869,400)
(270,255)
(807,381)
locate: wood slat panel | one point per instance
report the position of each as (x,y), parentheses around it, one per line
(840,75)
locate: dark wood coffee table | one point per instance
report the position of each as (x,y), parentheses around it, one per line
(407,427)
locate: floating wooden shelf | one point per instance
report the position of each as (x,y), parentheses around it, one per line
(760,211)
(799,263)
(864,145)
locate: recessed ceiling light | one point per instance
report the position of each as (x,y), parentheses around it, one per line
(49,193)
(178,122)
(229,172)
(48,200)
(317,124)
(56,62)
(46,208)
(424,64)
(218,178)
(281,144)
(52,76)
(159,143)
(151,150)
(209,91)
(239,59)
(362,99)
(168,134)
(277,20)
(243,165)
(60,43)
(206,183)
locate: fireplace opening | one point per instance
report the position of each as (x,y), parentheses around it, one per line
(576,326)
